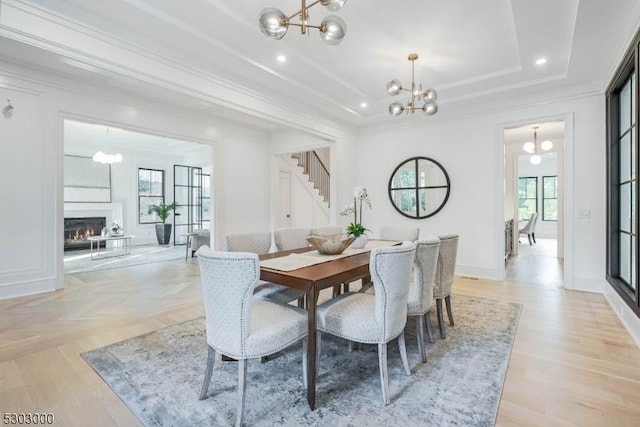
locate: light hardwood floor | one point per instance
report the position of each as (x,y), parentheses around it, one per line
(572,364)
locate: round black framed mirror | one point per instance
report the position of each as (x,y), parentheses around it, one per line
(419,187)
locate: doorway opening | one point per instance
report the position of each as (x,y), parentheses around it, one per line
(153,170)
(534,176)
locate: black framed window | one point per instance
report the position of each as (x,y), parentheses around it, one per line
(206,200)
(527,197)
(150,192)
(550,198)
(622,189)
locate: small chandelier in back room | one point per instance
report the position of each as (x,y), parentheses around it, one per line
(102,157)
(427,97)
(532,147)
(274,23)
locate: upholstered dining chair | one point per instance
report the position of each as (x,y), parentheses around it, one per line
(530,228)
(239,325)
(259,243)
(374,319)
(399,233)
(328,230)
(421,289)
(291,238)
(444,278)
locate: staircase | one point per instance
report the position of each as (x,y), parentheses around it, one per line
(318,174)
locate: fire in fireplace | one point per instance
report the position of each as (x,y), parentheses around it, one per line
(77,230)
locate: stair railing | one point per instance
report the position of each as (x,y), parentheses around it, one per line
(316,170)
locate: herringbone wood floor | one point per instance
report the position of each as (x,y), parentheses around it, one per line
(572,364)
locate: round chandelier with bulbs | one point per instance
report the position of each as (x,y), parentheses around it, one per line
(532,147)
(275,24)
(426,97)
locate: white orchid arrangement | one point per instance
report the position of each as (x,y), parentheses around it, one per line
(360,197)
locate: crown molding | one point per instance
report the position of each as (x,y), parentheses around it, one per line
(55,33)
(487,108)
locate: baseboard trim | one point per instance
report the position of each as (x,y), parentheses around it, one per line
(587,285)
(627,317)
(476,272)
(14,290)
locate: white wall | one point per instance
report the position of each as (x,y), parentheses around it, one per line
(472,152)
(306,207)
(31,159)
(341,155)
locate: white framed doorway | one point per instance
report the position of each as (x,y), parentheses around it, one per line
(507,194)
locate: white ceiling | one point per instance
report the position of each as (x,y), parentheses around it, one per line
(472,52)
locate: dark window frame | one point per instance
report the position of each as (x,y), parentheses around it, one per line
(527,198)
(140,197)
(544,198)
(628,70)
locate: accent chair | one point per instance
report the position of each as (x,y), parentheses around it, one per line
(530,228)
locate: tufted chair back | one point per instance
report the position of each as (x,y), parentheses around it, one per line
(399,233)
(446,265)
(227,288)
(327,230)
(291,238)
(257,243)
(424,274)
(391,272)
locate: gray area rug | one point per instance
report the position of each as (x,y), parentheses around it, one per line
(159,376)
(81,262)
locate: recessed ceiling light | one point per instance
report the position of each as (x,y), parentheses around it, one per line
(281,58)
(541,61)
(363,105)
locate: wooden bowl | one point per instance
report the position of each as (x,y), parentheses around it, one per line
(332,244)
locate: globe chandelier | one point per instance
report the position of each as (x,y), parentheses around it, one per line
(427,97)
(104,158)
(532,147)
(274,23)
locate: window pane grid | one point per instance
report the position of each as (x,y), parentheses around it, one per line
(150,192)
(527,197)
(549,198)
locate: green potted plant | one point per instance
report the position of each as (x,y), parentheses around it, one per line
(356,229)
(163,230)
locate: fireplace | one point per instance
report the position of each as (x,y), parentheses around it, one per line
(76,231)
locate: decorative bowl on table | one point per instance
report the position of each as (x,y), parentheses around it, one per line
(332,244)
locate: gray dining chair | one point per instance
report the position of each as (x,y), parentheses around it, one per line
(399,233)
(444,278)
(374,319)
(239,325)
(328,230)
(421,289)
(291,238)
(259,243)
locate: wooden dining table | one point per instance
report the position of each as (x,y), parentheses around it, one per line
(312,280)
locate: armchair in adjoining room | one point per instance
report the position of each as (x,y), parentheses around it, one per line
(196,239)
(530,228)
